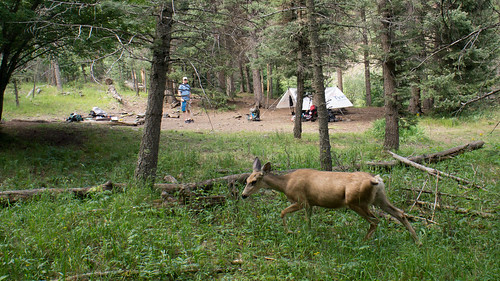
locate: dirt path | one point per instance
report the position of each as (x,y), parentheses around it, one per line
(273,120)
(354,120)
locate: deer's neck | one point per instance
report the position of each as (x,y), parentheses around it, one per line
(276,182)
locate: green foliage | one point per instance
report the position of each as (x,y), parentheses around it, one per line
(78,98)
(409,130)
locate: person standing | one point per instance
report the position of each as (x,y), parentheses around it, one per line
(185,93)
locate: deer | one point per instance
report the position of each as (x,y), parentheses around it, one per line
(306,188)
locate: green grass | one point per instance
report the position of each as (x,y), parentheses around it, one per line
(126,236)
(50,102)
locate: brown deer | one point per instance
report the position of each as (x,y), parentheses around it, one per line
(306,188)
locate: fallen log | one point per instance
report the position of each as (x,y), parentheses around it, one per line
(112,90)
(12,196)
(205,185)
(456,209)
(433,157)
(432,171)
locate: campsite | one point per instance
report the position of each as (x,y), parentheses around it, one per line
(249,140)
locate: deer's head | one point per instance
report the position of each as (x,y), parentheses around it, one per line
(254,181)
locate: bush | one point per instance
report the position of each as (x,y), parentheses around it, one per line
(409,131)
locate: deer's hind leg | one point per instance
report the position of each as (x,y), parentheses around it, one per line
(365,212)
(399,215)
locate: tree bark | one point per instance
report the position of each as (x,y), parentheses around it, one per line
(257,85)
(366,58)
(57,74)
(340,80)
(269,83)
(148,153)
(301,49)
(414,105)
(16,92)
(242,76)
(391,140)
(318,84)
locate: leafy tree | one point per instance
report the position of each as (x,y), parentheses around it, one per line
(37,28)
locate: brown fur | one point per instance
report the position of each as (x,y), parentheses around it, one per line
(306,188)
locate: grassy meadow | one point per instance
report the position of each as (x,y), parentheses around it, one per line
(129,236)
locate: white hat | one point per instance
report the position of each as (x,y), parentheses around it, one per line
(184,78)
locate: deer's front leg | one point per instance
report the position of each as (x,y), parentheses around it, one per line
(290,209)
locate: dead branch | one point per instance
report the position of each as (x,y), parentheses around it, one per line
(434,157)
(422,219)
(12,196)
(457,209)
(432,171)
(464,104)
(86,276)
(438,193)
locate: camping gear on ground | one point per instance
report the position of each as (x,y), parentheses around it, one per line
(332,115)
(333,96)
(73,117)
(311,114)
(96,111)
(254,114)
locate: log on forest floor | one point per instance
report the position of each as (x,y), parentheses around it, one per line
(12,196)
(433,157)
(432,171)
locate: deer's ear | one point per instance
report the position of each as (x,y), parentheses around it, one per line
(267,167)
(256,165)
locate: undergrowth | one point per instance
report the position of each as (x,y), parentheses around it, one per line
(130,235)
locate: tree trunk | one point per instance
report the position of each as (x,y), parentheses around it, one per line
(302,45)
(391,140)
(414,105)
(57,74)
(144,80)
(297,126)
(319,88)
(242,77)
(230,85)
(366,59)
(247,79)
(148,153)
(340,80)
(257,89)
(16,92)
(269,83)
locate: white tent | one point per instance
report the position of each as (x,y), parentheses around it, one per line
(333,96)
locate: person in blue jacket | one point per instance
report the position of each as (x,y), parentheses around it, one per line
(185,93)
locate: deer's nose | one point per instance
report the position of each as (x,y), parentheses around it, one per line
(244,196)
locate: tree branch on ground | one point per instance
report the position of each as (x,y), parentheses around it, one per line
(434,157)
(456,209)
(433,171)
